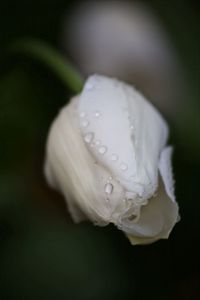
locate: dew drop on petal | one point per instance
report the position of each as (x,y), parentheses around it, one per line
(89,86)
(114,157)
(85,123)
(132,217)
(102,150)
(97,142)
(123,167)
(108,188)
(82,114)
(88,137)
(97,114)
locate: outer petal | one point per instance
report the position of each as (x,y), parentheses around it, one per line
(156,221)
(166,171)
(160,215)
(123,132)
(71,169)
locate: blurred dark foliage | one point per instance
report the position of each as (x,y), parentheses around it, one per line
(43,255)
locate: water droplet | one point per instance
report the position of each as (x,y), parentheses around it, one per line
(131,127)
(108,188)
(82,114)
(89,86)
(97,114)
(97,142)
(88,137)
(102,149)
(85,123)
(132,217)
(114,157)
(123,167)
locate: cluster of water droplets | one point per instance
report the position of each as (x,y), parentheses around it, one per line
(102,149)
(131,201)
(89,136)
(89,139)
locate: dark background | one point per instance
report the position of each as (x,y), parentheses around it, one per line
(43,255)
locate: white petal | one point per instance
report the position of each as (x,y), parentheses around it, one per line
(130,132)
(71,169)
(156,221)
(166,171)
(104,152)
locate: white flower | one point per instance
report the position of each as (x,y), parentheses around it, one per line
(106,152)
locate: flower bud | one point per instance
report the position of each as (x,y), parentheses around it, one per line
(107,154)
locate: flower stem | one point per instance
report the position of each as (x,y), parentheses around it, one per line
(47,55)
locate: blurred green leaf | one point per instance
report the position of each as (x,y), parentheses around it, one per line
(47,55)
